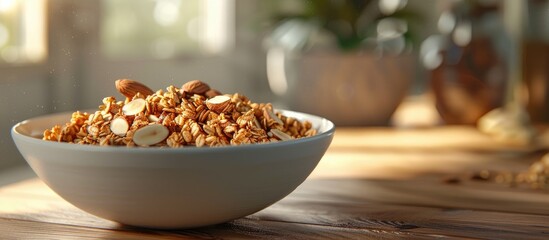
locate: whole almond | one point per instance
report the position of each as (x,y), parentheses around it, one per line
(212,93)
(195,87)
(129,88)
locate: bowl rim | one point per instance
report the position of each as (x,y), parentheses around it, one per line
(327,124)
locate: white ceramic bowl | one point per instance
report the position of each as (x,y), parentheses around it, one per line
(167,187)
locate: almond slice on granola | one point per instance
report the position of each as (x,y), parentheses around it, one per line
(219,103)
(150,134)
(134,107)
(119,126)
(270,115)
(281,135)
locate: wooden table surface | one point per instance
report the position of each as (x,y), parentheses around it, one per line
(372,183)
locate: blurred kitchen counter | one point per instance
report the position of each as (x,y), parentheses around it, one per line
(385,152)
(372,183)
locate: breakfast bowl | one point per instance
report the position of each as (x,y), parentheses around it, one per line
(167,188)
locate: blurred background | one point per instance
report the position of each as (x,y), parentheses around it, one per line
(397,63)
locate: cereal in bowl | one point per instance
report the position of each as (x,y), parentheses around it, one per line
(193,115)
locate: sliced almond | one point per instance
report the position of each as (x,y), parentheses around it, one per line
(219,103)
(134,107)
(269,114)
(129,88)
(120,126)
(281,135)
(257,124)
(153,118)
(150,134)
(195,87)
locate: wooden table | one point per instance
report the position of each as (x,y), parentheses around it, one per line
(372,183)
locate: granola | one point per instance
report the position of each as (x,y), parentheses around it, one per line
(193,115)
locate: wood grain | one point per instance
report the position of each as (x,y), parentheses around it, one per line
(358,191)
(323,206)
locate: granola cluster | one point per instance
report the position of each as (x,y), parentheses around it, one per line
(193,115)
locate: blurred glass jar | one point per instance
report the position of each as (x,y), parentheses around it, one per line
(467,60)
(535,60)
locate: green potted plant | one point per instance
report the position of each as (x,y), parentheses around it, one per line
(348,60)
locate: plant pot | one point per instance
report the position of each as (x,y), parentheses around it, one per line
(349,89)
